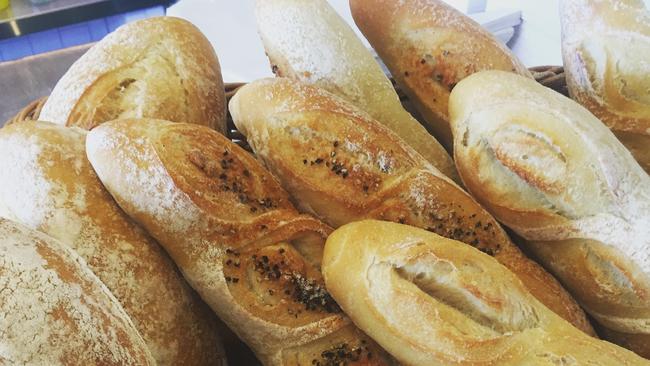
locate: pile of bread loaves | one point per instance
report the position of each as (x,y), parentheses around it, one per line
(350,236)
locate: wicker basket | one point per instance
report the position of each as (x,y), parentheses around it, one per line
(549,76)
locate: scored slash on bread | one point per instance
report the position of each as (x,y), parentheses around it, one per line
(309,42)
(428,46)
(429,300)
(161,67)
(55,311)
(557,176)
(234,234)
(50,186)
(341,165)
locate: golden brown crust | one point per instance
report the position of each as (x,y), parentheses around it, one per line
(429,300)
(65,199)
(309,42)
(429,47)
(160,67)
(606,45)
(343,166)
(233,232)
(54,311)
(551,171)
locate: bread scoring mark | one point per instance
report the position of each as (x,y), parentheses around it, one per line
(533,157)
(460,285)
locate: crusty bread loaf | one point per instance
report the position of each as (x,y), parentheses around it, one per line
(429,47)
(551,171)
(49,185)
(233,232)
(308,41)
(470,309)
(158,68)
(606,48)
(54,311)
(343,166)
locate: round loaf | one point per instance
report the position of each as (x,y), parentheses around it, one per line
(50,186)
(54,311)
(160,67)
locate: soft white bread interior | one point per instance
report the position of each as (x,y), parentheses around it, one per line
(160,67)
(551,171)
(55,311)
(606,48)
(429,300)
(308,41)
(428,46)
(234,234)
(50,186)
(341,165)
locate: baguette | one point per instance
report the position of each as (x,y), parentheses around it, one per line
(49,186)
(606,47)
(342,166)
(158,68)
(429,47)
(54,311)
(340,64)
(471,310)
(233,232)
(552,172)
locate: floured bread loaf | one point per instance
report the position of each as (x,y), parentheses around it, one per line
(159,67)
(340,164)
(233,232)
(606,48)
(308,41)
(429,300)
(552,172)
(50,186)
(54,311)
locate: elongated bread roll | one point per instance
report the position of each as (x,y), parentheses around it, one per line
(49,185)
(470,309)
(606,48)
(343,166)
(233,232)
(308,41)
(158,68)
(429,47)
(551,171)
(54,311)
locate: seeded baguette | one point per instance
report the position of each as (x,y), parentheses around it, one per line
(429,47)
(234,234)
(341,165)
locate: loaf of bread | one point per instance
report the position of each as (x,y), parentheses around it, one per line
(308,41)
(606,48)
(160,67)
(55,311)
(470,309)
(342,166)
(49,185)
(429,47)
(552,172)
(231,229)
